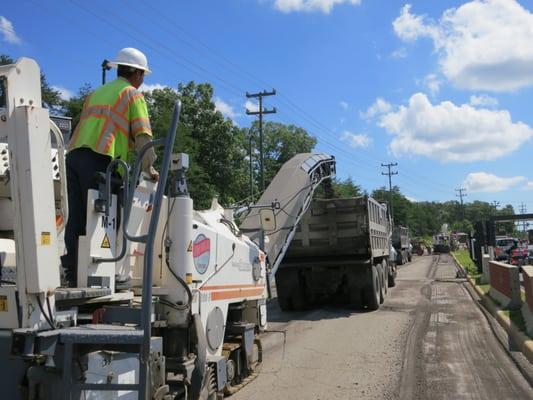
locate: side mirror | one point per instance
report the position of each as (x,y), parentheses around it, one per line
(268,219)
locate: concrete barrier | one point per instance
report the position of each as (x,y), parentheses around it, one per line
(505,285)
(527,307)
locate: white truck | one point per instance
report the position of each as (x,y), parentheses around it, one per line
(169,305)
(341,248)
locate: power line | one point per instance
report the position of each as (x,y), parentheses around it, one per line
(261,111)
(390,173)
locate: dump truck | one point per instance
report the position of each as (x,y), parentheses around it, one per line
(400,241)
(340,249)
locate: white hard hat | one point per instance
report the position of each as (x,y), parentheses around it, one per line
(132,58)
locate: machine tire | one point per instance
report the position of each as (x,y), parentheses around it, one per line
(373,290)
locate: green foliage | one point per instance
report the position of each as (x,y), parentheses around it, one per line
(280,143)
(72,107)
(217,159)
(464,226)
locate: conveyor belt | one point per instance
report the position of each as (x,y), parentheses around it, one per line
(293,188)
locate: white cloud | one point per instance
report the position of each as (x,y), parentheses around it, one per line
(356,141)
(411,199)
(528,185)
(153,86)
(399,53)
(324,6)
(485,182)
(63,92)
(344,105)
(410,27)
(225,108)
(8,31)
(432,83)
(251,106)
(380,106)
(481,45)
(483,100)
(448,132)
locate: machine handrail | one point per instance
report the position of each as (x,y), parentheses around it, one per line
(136,174)
(107,199)
(146,310)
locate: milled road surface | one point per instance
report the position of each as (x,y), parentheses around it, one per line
(429,340)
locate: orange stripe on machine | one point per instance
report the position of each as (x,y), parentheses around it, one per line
(232,294)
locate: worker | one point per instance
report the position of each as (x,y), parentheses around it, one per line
(114,120)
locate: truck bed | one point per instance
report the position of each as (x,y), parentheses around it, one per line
(344,229)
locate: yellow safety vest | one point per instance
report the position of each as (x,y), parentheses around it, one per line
(112,116)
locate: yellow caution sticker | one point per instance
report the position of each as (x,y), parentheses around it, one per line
(105,243)
(3,304)
(45,239)
(189,249)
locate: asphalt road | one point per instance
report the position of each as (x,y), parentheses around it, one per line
(429,340)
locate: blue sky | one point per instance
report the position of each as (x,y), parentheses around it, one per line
(444,88)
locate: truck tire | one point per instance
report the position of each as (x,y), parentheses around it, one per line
(299,301)
(373,290)
(285,303)
(384,275)
(392,275)
(399,258)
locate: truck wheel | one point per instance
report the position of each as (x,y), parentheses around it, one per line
(299,301)
(399,258)
(384,274)
(284,303)
(392,276)
(372,290)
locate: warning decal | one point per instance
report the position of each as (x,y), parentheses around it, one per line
(3,304)
(45,239)
(105,243)
(189,249)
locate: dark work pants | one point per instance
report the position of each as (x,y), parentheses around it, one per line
(82,165)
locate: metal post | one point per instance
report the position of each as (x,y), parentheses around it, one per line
(389,173)
(251,170)
(260,112)
(105,67)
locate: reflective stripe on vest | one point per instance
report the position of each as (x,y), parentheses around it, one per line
(110,128)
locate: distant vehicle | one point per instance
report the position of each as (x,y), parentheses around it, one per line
(400,241)
(503,247)
(441,243)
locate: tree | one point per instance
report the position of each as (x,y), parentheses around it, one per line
(73,106)
(281,143)
(217,159)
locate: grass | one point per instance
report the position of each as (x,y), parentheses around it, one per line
(471,268)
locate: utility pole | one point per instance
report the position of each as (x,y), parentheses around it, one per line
(260,112)
(523,210)
(390,173)
(461,195)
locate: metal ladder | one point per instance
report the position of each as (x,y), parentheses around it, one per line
(126,339)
